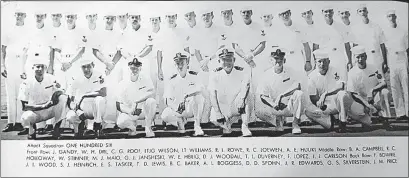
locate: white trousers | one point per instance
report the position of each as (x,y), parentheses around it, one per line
(398,64)
(148,112)
(230,111)
(343,104)
(193,109)
(295,108)
(13,82)
(58,111)
(92,108)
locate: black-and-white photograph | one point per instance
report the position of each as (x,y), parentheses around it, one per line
(137,70)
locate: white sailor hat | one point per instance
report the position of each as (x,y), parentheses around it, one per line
(246,8)
(70,12)
(391,11)
(19,9)
(90,11)
(110,13)
(282,10)
(321,54)
(39,12)
(327,7)
(361,6)
(225,8)
(39,57)
(265,11)
(204,11)
(86,61)
(344,9)
(357,50)
(306,9)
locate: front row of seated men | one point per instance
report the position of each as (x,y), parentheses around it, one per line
(281,93)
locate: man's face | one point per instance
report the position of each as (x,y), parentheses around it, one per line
(171,19)
(285,16)
(344,15)
(123,18)
(267,18)
(190,17)
(363,12)
(246,15)
(278,63)
(182,65)
(228,63)
(87,69)
(361,59)
(307,15)
(110,20)
(391,18)
(135,69)
(155,22)
(71,19)
(323,65)
(134,19)
(227,14)
(20,16)
(92,18)
(39,69)
(56,18)
(207,18)
(328,14)
(40,18)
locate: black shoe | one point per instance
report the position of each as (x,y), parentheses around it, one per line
(401,118)
(32,136)
(49,128)
(18,127)
(98,130)
(171,127)
(77,135)
(56,132)
(227,135)
(342,127)
(8,128)
(23,132)
(41,131)
(88,133)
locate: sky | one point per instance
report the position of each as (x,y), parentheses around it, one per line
(377,9)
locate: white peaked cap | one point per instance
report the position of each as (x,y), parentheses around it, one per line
(321,54)
(358,50)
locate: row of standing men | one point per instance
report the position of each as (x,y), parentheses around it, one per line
(250,41)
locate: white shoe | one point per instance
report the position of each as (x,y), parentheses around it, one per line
(150,134)
(132,132)
(198,132)
(296,130)
(245,130)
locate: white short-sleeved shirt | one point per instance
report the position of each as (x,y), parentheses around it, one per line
(177,88)
(191,33)
(82,85)
(228,35)
(396,39)
(35,92)
(228,85)
(70,42)
(311,33)
(361,81)
(274,84)
(133,91)
(248,36)
(170,42)
(318,84)
(332,36)
(133,42)
(57,32)
(369,35)
(290,38)
(16,39)
(40,38)
(91,38)
(206,40)
(108,42)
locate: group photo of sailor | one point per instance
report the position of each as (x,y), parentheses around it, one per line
(194,69)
